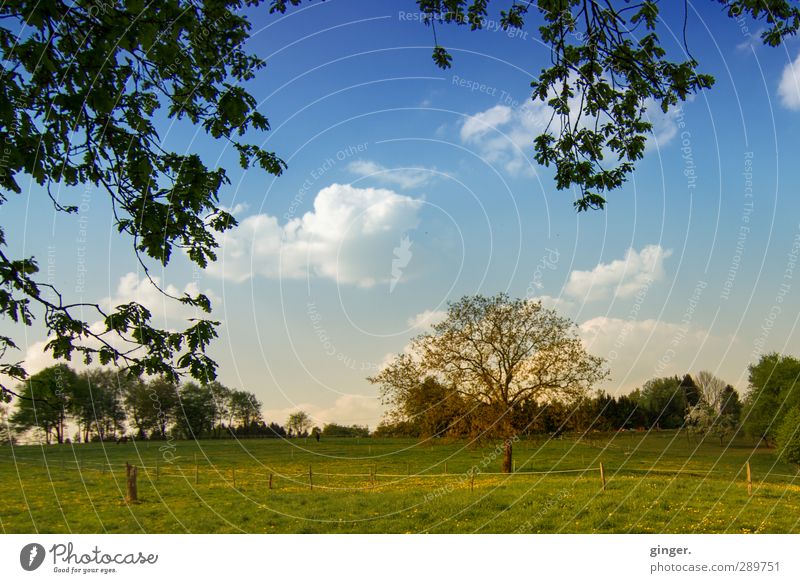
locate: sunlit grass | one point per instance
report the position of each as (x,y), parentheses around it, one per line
(658,482)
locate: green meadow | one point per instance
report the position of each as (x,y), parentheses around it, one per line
(654,482)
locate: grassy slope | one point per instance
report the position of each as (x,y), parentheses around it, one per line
(709,495)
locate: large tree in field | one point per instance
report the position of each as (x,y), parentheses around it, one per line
(498,353)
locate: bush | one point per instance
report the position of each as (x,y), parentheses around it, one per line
(788,437)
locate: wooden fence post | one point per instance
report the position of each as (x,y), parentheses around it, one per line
(270,481)
(130,478)
(310,478)
(602,478)
(749,480)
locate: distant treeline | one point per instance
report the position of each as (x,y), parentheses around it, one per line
(433,409)
(102,404)
(703,405)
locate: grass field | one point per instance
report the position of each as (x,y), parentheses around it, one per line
(655,482)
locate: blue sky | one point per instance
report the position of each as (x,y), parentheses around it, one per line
(409,186)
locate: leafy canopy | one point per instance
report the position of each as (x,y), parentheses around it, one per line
(81,83)
(496,353)
(789,437)
(774,390)
(608,66)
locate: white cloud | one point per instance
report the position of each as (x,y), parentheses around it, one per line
(401,177)
(236,209)
(132,288)
(346,410)
(789,88)
(560,304)
(637,351)
(622,277)
(478,125)
(425,320)
(37,359)
(505,135)
(349,237)
(665,125)
(752,41)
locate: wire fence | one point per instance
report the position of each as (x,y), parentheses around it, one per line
(229,475)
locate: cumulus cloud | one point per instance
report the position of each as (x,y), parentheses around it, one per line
(478,125)
(400,177)
(789,87)
(621,278)
(560,304)
(132,288)
(346,410)
(637,351)
(665,125)
(504,135)
(752,42)
(349,237)
(165,311)
(236,209)
(425,320)
(37,359)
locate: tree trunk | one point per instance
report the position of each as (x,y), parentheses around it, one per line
(60,427)
(507,456)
